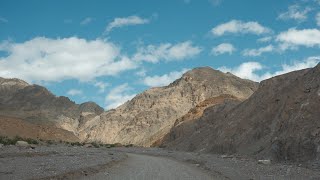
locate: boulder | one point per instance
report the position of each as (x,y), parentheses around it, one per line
(22,144)
(264,161)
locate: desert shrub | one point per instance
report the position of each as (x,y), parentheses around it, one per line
(31,141)
(128,145)
(50,142)
(94,144)
(76,144)
(12,141)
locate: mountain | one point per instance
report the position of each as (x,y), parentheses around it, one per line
(150,115)
(279,121)
(35,105)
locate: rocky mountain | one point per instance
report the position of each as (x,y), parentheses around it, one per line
(279,121)
(36,105)
(150,115)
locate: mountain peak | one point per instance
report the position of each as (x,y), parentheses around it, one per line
(201,71)
(13,82)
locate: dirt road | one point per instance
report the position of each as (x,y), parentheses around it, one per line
(143,167)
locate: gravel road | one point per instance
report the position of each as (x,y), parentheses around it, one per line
(144,167)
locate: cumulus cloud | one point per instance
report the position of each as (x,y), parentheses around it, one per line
(236,26)
(245,70)
(252,70)
(74,92)
(45,59)
(167,52)
(222,49)
(293,37)
(164,80)
(86,21)
(118,95)
(257,52)
(318,18)
(126,21)
(101,86)
(295,12)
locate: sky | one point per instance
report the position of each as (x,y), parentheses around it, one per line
(109,51)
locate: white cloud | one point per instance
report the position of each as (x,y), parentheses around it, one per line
(257,52)
(245,70)
(164,80)
(126,21)
(265,39)
(295,12)
(250,70)
(45,59)
(223,48)
(236,26)
(318,18)
(141,73)
(167,52)
(101,85)
(3,20)
(293,37)
(86,21)
(74,92)
(118,95)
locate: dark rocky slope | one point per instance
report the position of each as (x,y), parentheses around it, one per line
(281,120)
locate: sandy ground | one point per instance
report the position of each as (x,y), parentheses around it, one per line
(62,162)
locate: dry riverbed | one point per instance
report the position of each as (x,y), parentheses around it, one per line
(74,162)
(55,162)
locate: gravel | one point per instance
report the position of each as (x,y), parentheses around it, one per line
(233,167)
(67,162)
(54,162)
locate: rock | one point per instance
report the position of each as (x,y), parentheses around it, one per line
(265,162)
(226,156)
(88,145)
(22,144)
(1,145)
(33,146)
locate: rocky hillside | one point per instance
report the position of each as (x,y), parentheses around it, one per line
(36,105)
(12,127)
(279,121)
(150,115)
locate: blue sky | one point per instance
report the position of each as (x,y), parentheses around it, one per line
(108,51)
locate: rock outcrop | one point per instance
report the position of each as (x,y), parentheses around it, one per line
(150,115)
(281,120)
(36,105)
